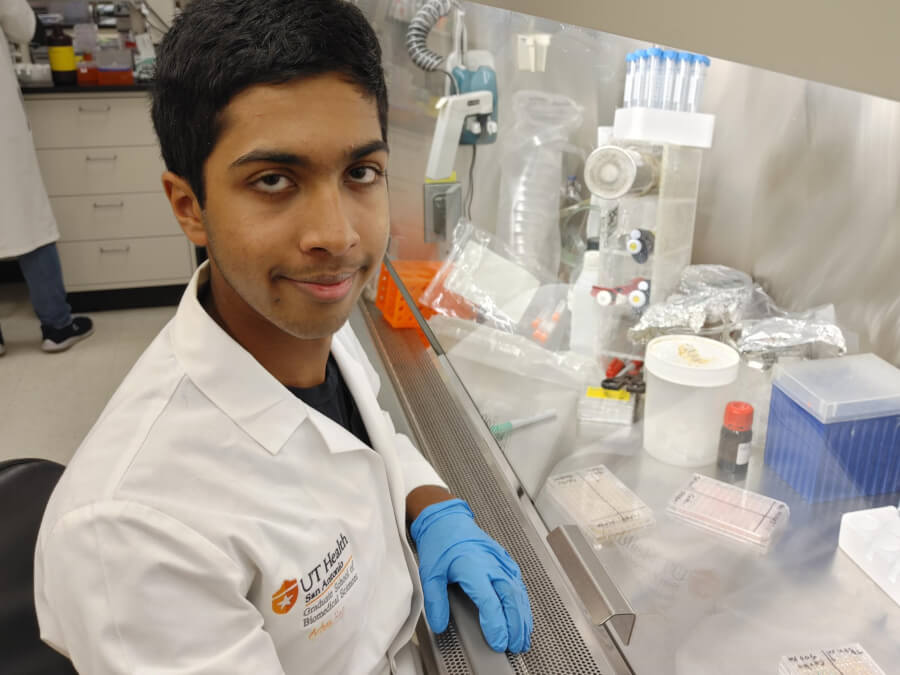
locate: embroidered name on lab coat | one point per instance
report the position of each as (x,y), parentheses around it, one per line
(323,586)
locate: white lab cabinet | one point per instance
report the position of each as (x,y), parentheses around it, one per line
(101,165)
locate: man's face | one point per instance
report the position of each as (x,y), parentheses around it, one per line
(297,204)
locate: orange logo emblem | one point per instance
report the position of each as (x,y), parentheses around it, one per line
(285,597)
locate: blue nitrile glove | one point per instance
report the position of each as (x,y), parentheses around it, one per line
(453,549)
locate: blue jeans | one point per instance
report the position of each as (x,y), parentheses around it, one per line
(43,274)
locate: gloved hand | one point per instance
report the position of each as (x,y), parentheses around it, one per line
(453,549)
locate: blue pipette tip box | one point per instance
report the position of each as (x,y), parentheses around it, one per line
(834,427)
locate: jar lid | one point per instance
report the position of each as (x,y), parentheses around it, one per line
(692,361)
(739,416)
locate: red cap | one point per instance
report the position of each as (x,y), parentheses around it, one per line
(615,367)
(739,416)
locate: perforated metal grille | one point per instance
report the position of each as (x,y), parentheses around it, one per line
(452,654)
(453,449)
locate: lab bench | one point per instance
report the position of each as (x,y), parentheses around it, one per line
(699,603)
(101,165)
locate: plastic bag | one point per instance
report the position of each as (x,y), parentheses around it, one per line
(479,279)
(531,178)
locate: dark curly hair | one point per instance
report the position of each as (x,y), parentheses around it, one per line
(217,48)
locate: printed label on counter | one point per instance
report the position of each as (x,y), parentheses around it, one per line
(612,394)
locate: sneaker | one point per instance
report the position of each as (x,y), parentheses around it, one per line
(60,339)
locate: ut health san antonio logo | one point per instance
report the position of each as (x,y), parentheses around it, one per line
(285,597)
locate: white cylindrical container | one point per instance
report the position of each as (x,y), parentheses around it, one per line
(689,383)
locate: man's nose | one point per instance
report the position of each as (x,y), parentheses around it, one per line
(325,223)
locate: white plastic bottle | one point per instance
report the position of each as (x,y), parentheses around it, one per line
(583,307)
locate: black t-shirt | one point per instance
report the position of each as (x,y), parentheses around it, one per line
(333,398)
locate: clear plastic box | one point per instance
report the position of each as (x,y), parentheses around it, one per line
(599,503)
(834,427)
(730,511)
(872,540)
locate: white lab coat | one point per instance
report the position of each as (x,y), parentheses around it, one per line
(26,220)
(212,522)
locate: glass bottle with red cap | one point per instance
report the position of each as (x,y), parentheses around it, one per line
(734,441)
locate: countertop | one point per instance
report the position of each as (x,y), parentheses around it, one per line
(49,89)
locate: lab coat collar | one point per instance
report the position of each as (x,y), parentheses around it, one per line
(238,385)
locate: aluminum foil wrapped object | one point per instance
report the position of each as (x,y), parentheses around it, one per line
(722,302)
(707,296)
(809,336)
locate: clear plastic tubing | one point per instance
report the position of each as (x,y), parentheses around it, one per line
(670,70)
(630,73)
(682,81)
(698,76)
(638,97)
(656,76)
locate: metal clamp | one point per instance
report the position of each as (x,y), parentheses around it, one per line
(120,249)
(116,205)
(594,587)
(90,158)
(104,109)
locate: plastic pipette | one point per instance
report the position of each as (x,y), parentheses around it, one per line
(518,423)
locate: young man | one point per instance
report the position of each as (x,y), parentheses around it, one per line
(241,504)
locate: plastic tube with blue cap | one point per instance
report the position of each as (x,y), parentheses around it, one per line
(630,72)
(682,82)
(656,75)
(670,70)
(638,93)
(698,76)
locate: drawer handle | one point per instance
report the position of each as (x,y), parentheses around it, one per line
(117,205)
(100,158)
(103,109)
(118,249)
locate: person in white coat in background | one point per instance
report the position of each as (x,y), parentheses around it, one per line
(242,504)
(28,229)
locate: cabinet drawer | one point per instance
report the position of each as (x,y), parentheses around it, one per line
(89,122)
(111,216)
(101,171)
(125,263)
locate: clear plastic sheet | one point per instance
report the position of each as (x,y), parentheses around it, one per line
(514,353)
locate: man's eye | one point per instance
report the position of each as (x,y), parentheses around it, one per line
(365,175)
(272,183)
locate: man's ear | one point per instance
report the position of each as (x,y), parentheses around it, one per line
(186,207)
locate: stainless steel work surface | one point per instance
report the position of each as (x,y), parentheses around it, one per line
(448,430)
(706,605)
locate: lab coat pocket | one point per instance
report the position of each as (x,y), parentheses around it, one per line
(318,599)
